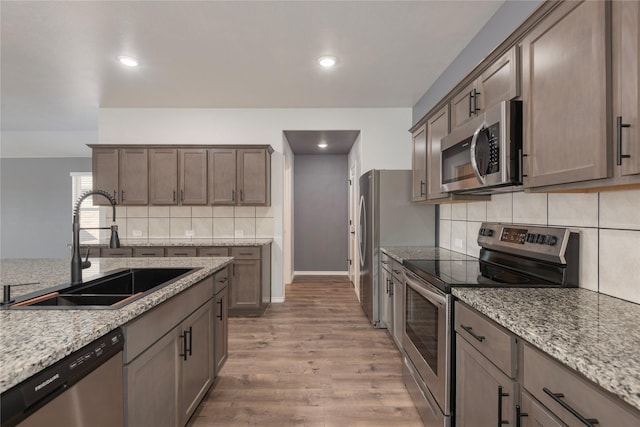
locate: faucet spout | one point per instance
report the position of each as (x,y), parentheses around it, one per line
(114,242)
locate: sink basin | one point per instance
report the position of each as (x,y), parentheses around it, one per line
(113,290)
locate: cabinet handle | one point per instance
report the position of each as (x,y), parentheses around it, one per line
(190,341)
(397,271)
(619,126)
(148,254)
(115,194)
(233,195)
(241,196)
(180,254)
(182,195)
(234,269)
(558,398)
(519,415)
(246,254)
(422,185)
(122,195)
(220,315)
(385,262)
(469,329)
(475,101)
(184,345)
(174,195)
(223,280)
(500,396)
(471,111)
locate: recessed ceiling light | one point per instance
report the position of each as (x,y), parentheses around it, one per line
(323,145)
(128,61)
(327,61)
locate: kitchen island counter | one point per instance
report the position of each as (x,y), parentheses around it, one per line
(32,339)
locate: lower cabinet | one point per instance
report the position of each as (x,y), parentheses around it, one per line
(485,396)
(169,359)
(533,414)
(220,320)
(250,281)
(386,299)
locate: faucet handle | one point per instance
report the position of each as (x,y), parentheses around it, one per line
(86,263)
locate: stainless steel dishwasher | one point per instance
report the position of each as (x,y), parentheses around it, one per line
(83,389)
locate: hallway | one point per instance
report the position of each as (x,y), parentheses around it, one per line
(312,361)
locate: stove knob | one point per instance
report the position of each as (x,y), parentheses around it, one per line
(531,238)
(488,232)
(540,238)
(552,240)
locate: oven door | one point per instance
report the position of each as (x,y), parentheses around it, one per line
(486,152)
(426,337)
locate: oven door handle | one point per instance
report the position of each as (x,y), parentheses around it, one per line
(427,290)
(472,153)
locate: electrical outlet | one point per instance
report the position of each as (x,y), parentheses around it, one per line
(239,233)
(189,233)
(136,233)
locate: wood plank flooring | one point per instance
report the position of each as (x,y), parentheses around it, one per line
(311,361)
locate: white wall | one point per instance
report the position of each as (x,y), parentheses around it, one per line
(385,142)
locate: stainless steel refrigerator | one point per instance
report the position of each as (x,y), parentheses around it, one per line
(387,218)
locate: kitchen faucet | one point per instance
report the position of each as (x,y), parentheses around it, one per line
(77,265)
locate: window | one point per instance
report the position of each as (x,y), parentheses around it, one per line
(90,218)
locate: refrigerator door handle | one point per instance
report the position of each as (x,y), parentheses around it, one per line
(363,231)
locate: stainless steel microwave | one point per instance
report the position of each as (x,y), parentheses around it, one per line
(485,154)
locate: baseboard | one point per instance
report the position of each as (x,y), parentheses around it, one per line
(277,299)
(320,273)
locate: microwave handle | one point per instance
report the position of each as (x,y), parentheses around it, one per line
(472,153)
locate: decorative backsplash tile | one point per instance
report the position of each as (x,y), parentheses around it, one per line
(608,222)
(135,222)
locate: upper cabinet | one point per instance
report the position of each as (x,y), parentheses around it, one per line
(122,172)
(419,165)
(239,176)
(626,86)
(499,82)
(184,175)
(177,176)
(565,74)
(437,128)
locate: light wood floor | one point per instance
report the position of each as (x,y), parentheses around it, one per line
(312,361)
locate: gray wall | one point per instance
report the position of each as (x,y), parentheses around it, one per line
(506,19)
(35,206)
(321,213)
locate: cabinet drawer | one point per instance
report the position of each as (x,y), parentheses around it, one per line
(213,251)
(177,252)
(386,262)
(148,252)
(491,340)
(115,253)
(94,251)
(245,252)
(543,377)
(221,280)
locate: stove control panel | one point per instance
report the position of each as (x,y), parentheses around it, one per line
(528,240)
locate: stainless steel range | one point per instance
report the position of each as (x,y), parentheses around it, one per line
(510,256)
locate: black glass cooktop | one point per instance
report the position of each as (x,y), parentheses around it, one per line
(446,274)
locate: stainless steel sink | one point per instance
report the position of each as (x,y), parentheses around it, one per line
(114,290)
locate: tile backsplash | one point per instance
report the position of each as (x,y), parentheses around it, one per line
(609,226)
(179,222)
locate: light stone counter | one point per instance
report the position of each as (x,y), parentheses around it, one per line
(187,242)
(400,253)
(591,333)
(32,339)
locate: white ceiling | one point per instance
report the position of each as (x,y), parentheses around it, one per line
(58,59)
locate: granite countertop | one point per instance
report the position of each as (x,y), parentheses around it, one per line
(32,339)
(591,333)
(187,242)
(400,253)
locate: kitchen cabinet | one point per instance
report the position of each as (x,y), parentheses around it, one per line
(181,251)
(437,128)
(250,281)
(498,82)
(168,358)
(568,397)
(419,165)
(122,172)
(626,90)
(566,97)
(486,388)
(533,414)
(148,252)
(177,176)
(386,293)
(221,320)
(239,177)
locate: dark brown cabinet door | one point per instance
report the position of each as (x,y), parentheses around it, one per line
(163,177)
(437,128)
(221,328)
(245,284)
(253,177)
(419,165)
(134,187)
(193,177)
(222,176)
(105,174)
